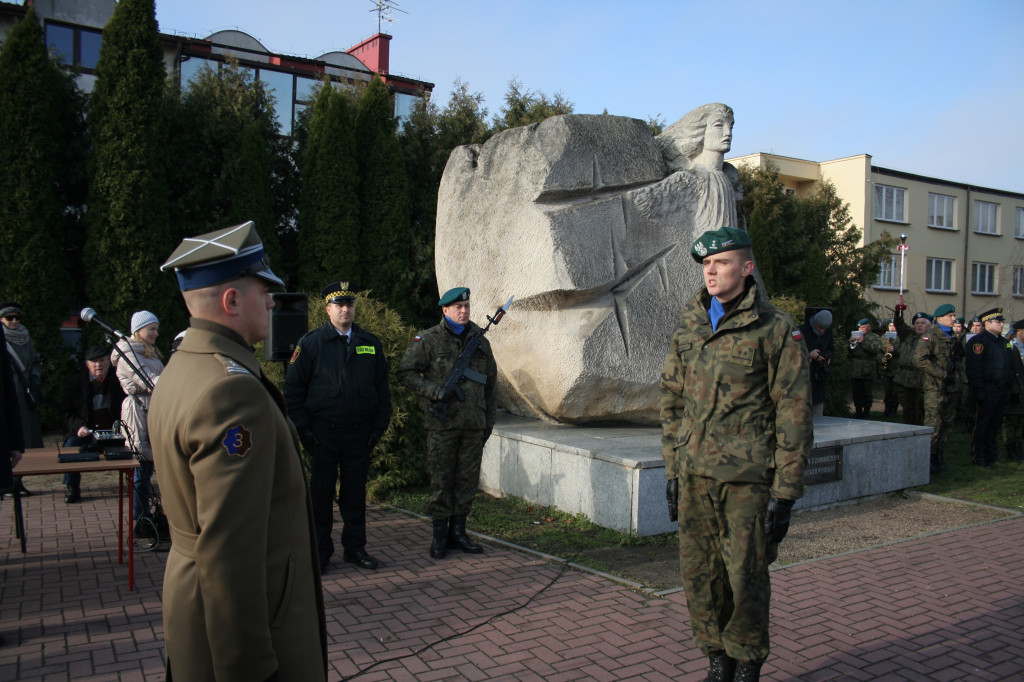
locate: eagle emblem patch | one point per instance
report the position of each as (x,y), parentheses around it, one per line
(237,441)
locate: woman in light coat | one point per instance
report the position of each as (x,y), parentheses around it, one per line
(138,382)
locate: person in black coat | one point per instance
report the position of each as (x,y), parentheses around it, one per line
(12,443)
(990,376)
(817,333)
(92,400)
(338,397)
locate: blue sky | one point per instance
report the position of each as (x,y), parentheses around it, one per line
(935,88)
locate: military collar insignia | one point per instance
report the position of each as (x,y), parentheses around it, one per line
(237,441)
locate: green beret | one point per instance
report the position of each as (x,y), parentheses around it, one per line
(960,320)
(944,309)
(921,316)
(863,321)
(453,296)
(719,241)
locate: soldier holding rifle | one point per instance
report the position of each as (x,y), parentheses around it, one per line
(461,414)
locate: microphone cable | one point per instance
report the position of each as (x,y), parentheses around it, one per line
(561,572)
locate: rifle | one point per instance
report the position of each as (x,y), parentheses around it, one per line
(461,369)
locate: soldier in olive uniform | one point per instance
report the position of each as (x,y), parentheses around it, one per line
(456,429)
(338,396)
(888,371)
(908,379)
(736,430)
(990,376)
(937,355)
(1013,421)
(865,355)
(241,593)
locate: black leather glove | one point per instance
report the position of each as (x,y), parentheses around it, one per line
(776,519)
(672,497)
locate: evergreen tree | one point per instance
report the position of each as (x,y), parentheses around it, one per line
(41,128)
(386,243)
(232,143)
(523,107)
(129,233)
(329,216)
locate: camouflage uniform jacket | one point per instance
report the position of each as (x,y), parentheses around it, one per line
(866,356)
(427,364)
(907,372)
(736,403)
(932,357)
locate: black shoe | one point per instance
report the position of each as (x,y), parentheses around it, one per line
(721,668)
(439,544)
(360,558)
(748,672)
(72,494)
(22,490)
(457,538)
(325,561)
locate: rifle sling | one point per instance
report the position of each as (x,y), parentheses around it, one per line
(473,375)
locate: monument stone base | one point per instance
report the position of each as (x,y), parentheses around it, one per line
(614,474)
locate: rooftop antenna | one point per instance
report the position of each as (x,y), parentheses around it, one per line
(383,8)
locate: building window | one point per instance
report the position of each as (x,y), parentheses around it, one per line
(74,46)
(890,203)
(987,215)
(1018,281)
(1018,231)
(938,275)
(983,279)
(282,87)
(941,211)
(887,273)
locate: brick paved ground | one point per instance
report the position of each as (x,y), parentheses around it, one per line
(946,607)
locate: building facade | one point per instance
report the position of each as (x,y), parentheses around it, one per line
(74,31)
(965,243)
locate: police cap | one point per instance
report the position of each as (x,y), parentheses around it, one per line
(994,314)
(719,241)
(454,296)
(339,292)
(1018,325)
(220,256)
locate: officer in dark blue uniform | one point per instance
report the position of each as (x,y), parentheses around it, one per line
(989,374)
(338,397)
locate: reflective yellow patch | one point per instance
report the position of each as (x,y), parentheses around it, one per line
(360,350)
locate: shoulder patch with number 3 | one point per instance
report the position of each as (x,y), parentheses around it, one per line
(237,441)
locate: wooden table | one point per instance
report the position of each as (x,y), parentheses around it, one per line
(43,461)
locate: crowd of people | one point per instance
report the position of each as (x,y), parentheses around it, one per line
(740,388)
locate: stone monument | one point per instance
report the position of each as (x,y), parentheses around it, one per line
(588,220)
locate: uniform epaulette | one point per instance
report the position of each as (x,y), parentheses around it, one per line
(230,366)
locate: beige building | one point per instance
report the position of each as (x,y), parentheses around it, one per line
(966,243)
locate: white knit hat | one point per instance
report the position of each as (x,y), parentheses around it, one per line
(143,318)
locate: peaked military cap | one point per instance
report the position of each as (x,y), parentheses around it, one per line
(454,295)
(994,314)
(719,241)
(220,256)
(920,316)
(944,309)
(1017,326)
(338,292)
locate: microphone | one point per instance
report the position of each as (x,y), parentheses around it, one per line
(89,315)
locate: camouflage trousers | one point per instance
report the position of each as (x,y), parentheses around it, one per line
(912,400)
(862,396)
(724,561)
(940,413)
(453,461)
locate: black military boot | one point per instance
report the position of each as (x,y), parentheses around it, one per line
(438,547)
(748,672)
(721,668)
(457,538)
